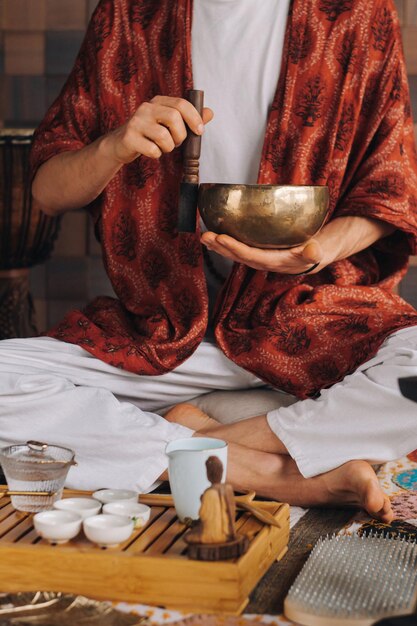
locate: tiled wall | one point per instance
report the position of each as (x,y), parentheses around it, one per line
(39,40)
(38,43)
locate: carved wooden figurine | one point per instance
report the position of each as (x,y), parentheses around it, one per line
(214,537)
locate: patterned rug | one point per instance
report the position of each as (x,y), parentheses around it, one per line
(399,481)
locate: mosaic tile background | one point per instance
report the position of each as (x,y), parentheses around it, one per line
(39,40)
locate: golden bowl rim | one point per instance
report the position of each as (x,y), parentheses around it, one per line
(261,185)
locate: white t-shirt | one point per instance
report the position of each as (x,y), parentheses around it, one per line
(236,56)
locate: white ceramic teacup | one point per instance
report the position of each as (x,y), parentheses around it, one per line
(57,526)
(139,513)
(188,473)
(115,495)
(107,531)
(86,507)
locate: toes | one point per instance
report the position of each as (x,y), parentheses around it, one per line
(387,514)
(378,504)
(188,415)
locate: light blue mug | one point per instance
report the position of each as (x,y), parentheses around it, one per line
(188,473)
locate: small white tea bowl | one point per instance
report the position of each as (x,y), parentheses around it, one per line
(107,531)
(114,495)
(57,526)
(139,513)
(86,507)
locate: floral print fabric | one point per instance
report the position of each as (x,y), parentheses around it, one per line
(340,117)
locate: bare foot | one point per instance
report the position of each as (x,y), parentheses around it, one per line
(356,483)
(277,476)
(190,416)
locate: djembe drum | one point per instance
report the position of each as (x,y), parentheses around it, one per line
(26,235)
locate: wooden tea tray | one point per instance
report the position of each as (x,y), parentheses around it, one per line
(150,568)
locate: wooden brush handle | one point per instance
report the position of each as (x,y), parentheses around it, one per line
(263,516)
(192,144)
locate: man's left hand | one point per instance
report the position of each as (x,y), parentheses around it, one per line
(338,239)
(286,261)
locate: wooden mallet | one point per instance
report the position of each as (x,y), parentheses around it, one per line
(187,208)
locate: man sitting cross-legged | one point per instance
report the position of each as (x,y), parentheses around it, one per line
(259,461)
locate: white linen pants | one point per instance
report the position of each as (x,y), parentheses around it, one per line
(57,392)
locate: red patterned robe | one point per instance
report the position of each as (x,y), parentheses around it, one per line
(341,117)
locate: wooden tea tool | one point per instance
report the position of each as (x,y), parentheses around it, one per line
(243,502)
(44,494)
(187,207)
(259,513)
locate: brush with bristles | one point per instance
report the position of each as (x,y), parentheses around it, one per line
(354,581)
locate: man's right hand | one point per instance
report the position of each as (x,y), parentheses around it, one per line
(74,179)
(156,127)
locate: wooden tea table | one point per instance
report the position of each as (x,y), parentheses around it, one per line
(150,568)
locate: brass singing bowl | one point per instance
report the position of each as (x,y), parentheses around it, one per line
(264,216)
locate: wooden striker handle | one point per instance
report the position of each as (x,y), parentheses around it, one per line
(192,143)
